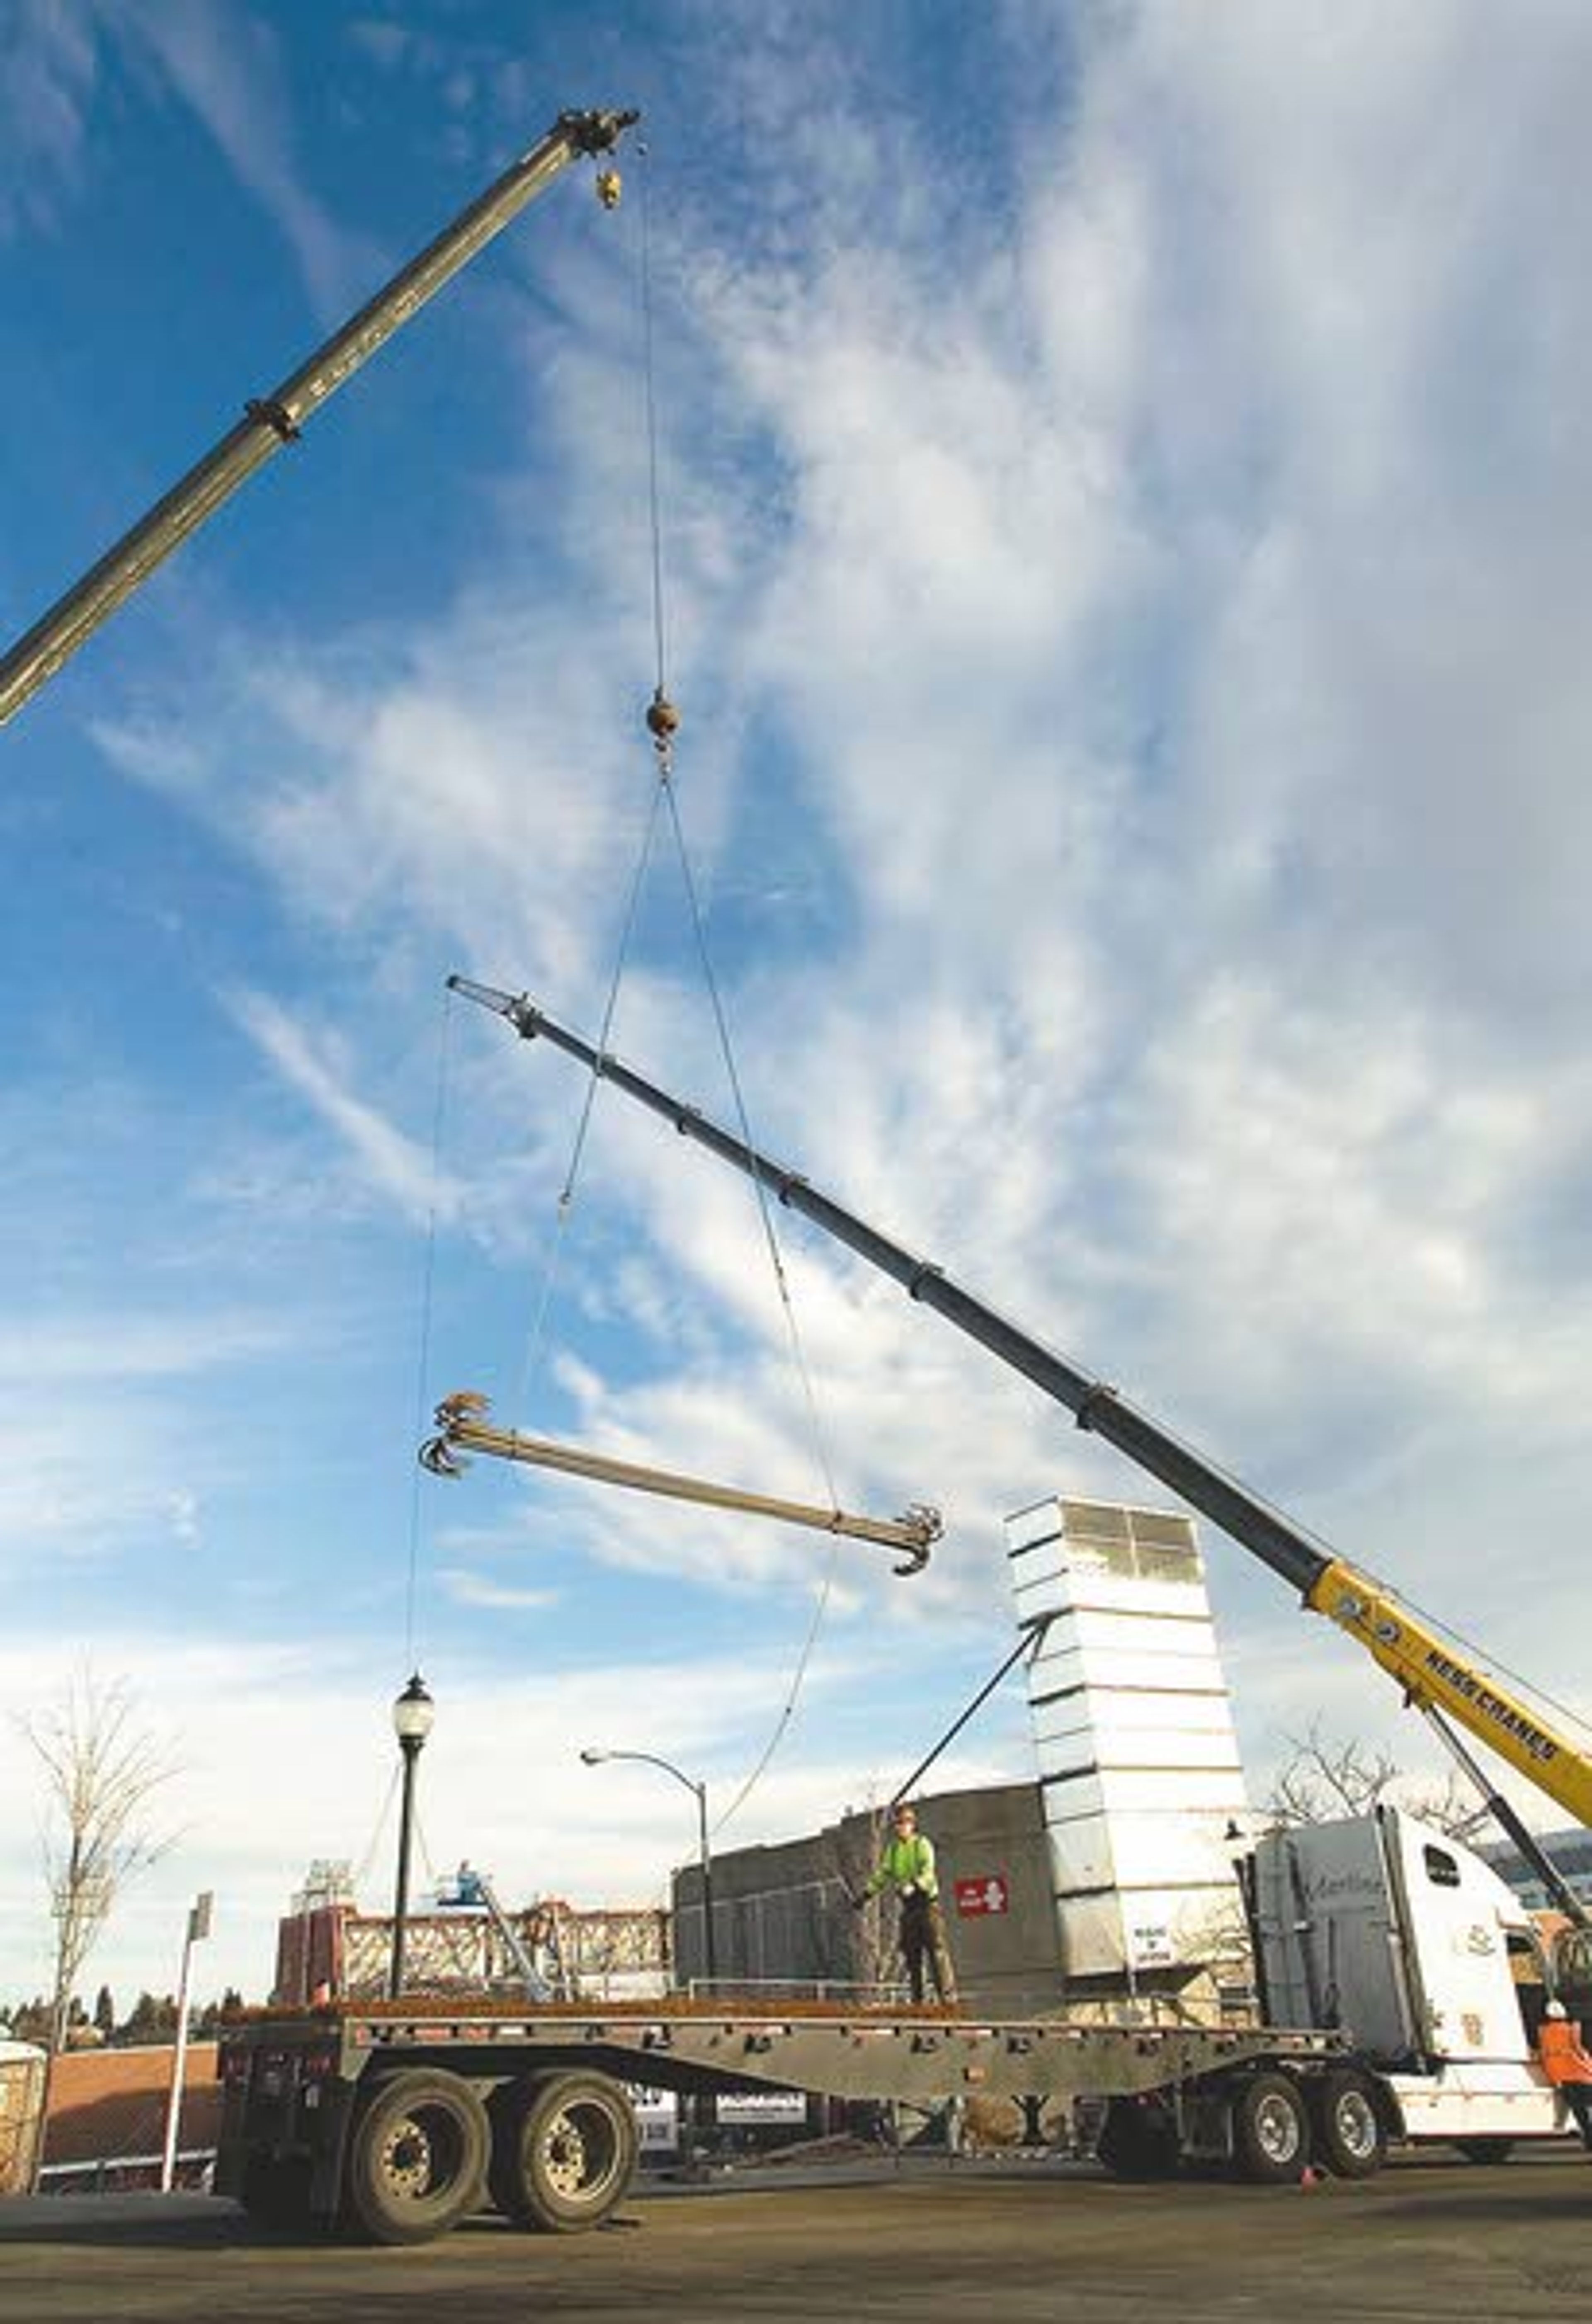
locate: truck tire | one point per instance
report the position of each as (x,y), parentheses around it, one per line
(1485,2149)
(417,2158)
(1137,2141)
(1271,2130)
(1351,2138)
(563,2149)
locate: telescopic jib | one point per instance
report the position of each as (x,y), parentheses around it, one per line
(271,420)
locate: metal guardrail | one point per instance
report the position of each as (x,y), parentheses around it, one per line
(103,2170)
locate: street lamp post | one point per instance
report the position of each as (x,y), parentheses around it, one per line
(412,1715)
(594,1758)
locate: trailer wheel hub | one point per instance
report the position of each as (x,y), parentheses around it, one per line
(1276,2129)
(407,2164)
(568,2166)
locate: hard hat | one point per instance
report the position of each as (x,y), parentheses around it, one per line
(1555,2009)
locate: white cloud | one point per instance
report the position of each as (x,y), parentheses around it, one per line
(468,1589)
(385,1159)
(47,75)
(111,1347)
(311,1711)
(227,68)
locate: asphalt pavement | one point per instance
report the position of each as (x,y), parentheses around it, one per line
(1011,2242)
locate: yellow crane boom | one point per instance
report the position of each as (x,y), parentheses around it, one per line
(1435,1676)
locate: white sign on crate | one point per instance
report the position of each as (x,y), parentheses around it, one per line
(750,2107)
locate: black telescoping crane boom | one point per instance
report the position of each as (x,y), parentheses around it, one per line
(1436,1675)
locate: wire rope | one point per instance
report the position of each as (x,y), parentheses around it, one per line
(649,370)
(721,1018)
(362,1868)
(553,1257)
(743,1121)
(824,1592)
(663,721)
(428,1287)
(655,522)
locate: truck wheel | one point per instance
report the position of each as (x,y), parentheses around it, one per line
(1137,2141)
(1350,2132)
(1271,2130)
(1485,2149)
(418,2156)
(564,2147)
(275,2192)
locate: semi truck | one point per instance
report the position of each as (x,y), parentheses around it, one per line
(399,2117)
(1399,1978)
(1401,1985)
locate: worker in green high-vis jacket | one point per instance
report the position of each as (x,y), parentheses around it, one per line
(908,1866)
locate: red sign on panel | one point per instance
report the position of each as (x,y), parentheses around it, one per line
(987,1893)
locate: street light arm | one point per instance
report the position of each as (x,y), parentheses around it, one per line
(595,1758)
(698,1791)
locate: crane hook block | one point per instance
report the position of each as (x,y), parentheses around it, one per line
(663,720)
(610,187)
(440,1453)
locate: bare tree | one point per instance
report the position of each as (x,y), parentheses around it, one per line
(1325,1777)
(101,1770)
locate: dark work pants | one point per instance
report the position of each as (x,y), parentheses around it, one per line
(1578,2097)
(922,1939)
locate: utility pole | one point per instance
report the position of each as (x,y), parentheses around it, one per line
(198,1928)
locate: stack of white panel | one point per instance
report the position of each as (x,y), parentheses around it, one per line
(1138,1762)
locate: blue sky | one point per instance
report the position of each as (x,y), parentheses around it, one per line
(1125,485)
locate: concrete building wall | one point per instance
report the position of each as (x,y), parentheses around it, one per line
(781,1914)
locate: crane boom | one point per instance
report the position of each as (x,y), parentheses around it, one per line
(1434,1673)
(271,420)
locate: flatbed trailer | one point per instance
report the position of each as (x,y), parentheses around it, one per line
(396,2118)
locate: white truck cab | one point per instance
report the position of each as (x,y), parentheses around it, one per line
(1388,1929)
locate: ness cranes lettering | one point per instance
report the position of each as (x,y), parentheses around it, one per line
(271,420)
(1435,1676)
